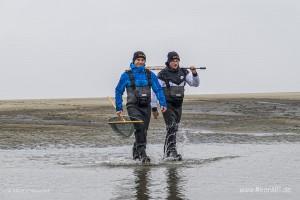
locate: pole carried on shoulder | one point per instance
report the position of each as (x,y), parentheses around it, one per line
(161,67)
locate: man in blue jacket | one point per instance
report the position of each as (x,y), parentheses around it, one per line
(138,82)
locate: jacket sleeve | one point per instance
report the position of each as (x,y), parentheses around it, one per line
(156,87)
(192,80)
(120,90)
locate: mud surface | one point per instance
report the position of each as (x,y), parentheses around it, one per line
(83,122)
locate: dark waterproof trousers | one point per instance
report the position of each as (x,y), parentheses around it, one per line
(141,113)
(172,119)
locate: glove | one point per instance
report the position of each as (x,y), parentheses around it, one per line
(163,109)
(119,113)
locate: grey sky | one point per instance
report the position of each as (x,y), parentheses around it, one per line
(72,48)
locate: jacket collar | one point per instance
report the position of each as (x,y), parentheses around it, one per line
(137,69)
(172,70)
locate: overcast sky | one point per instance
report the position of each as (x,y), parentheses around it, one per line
(79,48)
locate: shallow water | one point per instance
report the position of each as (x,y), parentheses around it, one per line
(232,149)
(208,171)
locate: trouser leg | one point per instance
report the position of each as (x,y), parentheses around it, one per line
(172,119)
(140,133)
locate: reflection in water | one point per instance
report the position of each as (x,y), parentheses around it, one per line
(173,180)
(174,185)
(142,183)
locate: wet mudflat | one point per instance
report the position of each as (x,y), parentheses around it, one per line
(234,147)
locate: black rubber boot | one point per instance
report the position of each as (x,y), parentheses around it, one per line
(174,155)
(135,153)
(171,154)
(142,155)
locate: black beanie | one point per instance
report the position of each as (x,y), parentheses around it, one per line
(171,56)
(138,54)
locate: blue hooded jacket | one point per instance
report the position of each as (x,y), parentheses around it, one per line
(140,81)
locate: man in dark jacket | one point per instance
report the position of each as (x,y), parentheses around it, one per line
(173,80)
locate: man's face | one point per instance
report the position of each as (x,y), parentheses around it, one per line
(139,62)
(174,64)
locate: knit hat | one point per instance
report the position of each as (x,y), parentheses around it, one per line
(138,54)
(172,55)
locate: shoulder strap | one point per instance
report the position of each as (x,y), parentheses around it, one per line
(131,78)
(162,76)
(167,83)
(148,73)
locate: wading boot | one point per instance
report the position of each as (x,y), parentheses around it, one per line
(172,154)
(135,153)
(143,156)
